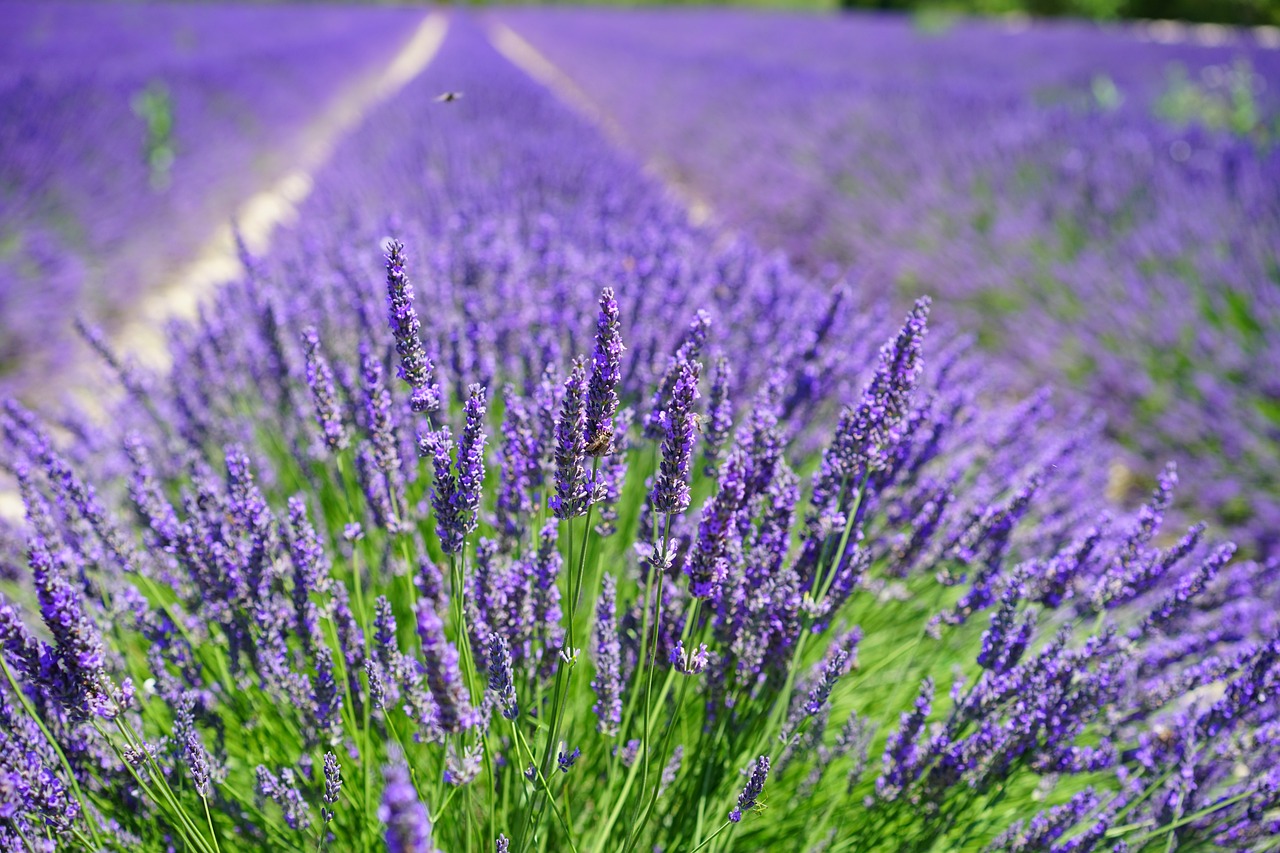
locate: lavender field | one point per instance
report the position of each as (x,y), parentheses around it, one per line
(1098,208)
(681,432)
(128,133)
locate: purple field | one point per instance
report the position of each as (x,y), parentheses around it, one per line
(86,223)
(798,445)
(1071,203)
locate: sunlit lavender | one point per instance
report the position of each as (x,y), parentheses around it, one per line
(500,506)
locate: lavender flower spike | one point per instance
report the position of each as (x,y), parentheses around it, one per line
(671,489)
(332,784)
(570,498)
(408,825)
(443,675)
(320,380)
(606,374)
(184,732)
(608,660)
(501,680)
(415,367)
(755,786)
(455,495)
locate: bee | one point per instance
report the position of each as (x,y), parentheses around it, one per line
(697,422)
(601,445)
(446,97)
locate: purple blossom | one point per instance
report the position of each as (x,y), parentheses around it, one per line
(707,566)
(687,353)
(566,760)
(571,496)
(283,790)
(868,432)
(332,784)
(902,753)
(1004,642)
(323,395)
(752,790)
(671,487)
(415,366)
(444,677)
(688,662)
(606,373)
(193,751)
(500,676)
(671,769)
(408,826)
(719,416)
(607,650)
(455,494)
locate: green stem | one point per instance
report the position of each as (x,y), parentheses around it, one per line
(645,747)
(213,833)
(712,836)
(546,788)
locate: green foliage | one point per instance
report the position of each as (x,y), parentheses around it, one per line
(154,106)
(1220,97)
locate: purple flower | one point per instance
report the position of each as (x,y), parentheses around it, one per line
(78,678)
(501,680)
(332,784)
(688,662)
(455,494)
(868,432)
(671,487)
(752,790)
(415,367)
(566,760)
(902,753)
(719,416)
(193,751)
(444,678)
(326,698)
(707,566)
(1005,640)
(408,826)
(571,497)
(838,662)
(323,395)
(606,373)
(607,683)
(520,471)
(283,790)
(688,351)
(671,769)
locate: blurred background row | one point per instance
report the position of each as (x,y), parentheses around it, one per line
(1097,203)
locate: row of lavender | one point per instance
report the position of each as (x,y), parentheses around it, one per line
(129,134)
(398,549)
(1099,209)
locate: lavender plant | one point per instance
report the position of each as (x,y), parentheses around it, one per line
(273,604)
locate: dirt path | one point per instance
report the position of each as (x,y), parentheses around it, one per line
(259,216)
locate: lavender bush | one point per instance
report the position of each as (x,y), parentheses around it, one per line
(1099,209)
(502,509)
